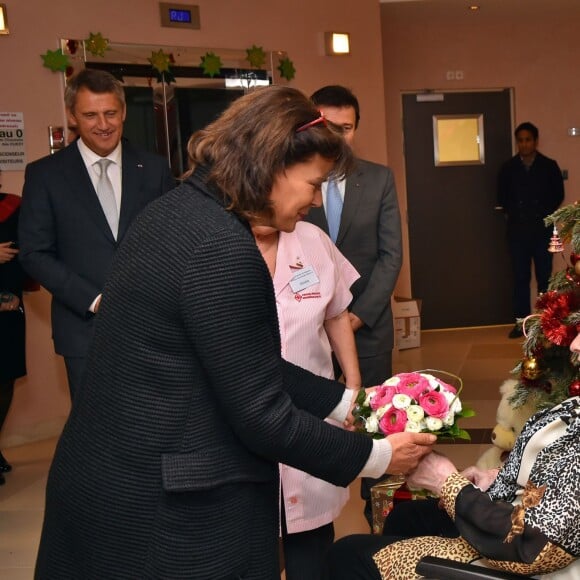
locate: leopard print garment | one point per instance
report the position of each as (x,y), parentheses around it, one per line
(557,467)
(398,561)
(557,515)
(551,558)
(450,490)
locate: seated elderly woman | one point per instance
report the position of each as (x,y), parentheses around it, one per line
(524,519)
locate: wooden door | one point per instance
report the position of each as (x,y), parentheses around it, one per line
(458,254)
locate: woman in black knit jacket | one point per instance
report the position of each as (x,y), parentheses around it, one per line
(167,467)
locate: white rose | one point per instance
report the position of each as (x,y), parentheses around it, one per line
(449,419)
(372,424)
(401,401)
(433,423)
(413,427)
(433,382)
(453,400)
(382,410)
(368,399)
(392,382)
(415,413)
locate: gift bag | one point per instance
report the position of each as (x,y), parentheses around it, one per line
(385,495)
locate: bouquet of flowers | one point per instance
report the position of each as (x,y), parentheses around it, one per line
(416,402)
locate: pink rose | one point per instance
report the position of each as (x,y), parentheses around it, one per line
(393,421)
(447,387)
(435,404)
(413,384)
(383,396)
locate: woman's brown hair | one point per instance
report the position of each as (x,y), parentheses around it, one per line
(256,138)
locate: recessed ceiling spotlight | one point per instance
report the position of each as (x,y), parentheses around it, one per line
(474,7)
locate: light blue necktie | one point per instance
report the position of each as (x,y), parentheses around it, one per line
(106,196)
(333,209)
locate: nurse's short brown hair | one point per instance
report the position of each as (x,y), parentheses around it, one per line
(259,136)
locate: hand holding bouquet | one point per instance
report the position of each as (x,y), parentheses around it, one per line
(415,402)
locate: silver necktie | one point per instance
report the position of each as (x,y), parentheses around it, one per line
(333,209)
(106,196)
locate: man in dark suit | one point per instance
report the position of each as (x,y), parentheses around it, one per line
(368,233)
(78,204)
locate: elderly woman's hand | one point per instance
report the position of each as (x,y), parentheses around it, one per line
(431,473)
(7,252)
(481,478)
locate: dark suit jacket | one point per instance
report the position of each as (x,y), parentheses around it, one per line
(528,195)
(370,238)
(168,465)
(65,241)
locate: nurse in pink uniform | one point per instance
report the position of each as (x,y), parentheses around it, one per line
(311,281)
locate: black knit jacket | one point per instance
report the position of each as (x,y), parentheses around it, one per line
(167,467)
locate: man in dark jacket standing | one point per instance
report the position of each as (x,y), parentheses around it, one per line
(77,206)
(530,187)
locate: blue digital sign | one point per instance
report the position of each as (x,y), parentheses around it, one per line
(176,15)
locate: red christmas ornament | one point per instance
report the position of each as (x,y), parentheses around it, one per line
(574,388)
(574,258)
(556,307)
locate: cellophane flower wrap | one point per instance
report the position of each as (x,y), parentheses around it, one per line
(417,402)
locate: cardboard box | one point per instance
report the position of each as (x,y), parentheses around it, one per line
(407,322)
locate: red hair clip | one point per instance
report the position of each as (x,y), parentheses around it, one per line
(316,121)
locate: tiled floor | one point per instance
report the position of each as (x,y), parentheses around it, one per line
(482,357)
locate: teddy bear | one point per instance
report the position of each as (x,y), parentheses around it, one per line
(509,424)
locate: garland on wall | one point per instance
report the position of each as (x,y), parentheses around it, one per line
(160,62)
(211,64)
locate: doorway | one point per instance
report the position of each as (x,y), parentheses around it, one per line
(458,255)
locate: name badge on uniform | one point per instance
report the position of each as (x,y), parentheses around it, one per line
(303,279)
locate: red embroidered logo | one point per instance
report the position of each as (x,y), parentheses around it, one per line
(311,295)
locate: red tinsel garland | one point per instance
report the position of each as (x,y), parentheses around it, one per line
(557,306)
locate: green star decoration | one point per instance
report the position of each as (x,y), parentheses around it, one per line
(55,60)
(286,68)
(256,56)
(211,64)
(160,61)
(96,44)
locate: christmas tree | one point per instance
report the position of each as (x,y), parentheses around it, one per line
(549,372)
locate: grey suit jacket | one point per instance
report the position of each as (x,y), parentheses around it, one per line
(65,241)
(370,238)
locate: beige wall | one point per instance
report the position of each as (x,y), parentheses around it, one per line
(531,46)
(41,400)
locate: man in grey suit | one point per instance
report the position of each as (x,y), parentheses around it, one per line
(367,230)
(78,204)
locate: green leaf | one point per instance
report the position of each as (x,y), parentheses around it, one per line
(55,60)
(463,434)
(466,412)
